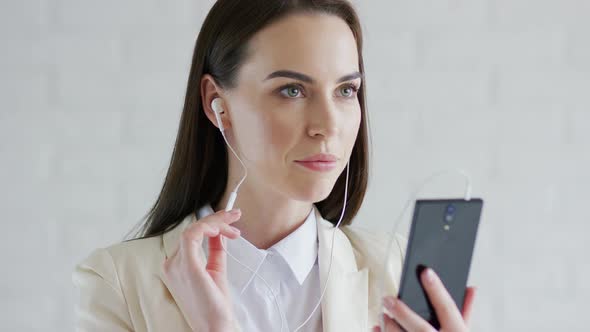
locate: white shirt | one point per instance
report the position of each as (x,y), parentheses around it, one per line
(290,267)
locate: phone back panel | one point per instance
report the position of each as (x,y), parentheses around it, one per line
(445,245)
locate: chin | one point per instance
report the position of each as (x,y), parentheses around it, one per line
(312,191)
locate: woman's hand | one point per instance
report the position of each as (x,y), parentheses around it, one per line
(451,320)
(200,287)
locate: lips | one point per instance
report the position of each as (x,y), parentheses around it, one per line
(321,162)
(322,157)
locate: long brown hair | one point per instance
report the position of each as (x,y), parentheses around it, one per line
(198,170)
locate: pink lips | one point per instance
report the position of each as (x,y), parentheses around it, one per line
(321,162)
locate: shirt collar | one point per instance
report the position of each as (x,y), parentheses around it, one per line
(299,249)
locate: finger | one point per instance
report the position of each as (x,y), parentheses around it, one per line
(192,239)
(216,263)
(389,325)
(223,216)
(195,232)
(468,304)
(221,220)
(404,316)
(225,230)
(190,247)
(208,225)
(446,310)
(191,242)
(217,260)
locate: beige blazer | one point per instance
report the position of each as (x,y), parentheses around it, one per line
(121,288)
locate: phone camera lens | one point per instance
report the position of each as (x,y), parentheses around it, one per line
(449,218)
(450,209)
(450,213)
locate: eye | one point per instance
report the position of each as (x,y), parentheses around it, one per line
(349,90)
(292,90)
(295,90)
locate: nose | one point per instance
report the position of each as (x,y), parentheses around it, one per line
(324,119)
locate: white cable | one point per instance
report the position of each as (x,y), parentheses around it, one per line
(234,194)
(255,273)
(403,212)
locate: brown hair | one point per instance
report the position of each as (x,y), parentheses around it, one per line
(198,169)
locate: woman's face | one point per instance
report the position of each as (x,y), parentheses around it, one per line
(277,120)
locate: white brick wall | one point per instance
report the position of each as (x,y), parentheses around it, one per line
(91,94)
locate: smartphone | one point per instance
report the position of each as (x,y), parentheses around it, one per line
(442,237)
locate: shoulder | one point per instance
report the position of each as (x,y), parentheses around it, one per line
(109,281)
(121,262)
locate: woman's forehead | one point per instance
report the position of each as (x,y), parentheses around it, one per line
(321,46)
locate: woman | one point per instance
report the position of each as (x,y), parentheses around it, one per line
(288,76)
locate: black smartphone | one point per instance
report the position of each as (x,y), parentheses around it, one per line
(442,237)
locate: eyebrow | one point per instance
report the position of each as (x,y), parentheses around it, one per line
(308,79)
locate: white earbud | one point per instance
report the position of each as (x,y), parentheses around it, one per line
(218,109)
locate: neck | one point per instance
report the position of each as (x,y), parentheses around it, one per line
(266,217)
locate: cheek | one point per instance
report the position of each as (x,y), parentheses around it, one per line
(265,138)
(282,135)
(351,129)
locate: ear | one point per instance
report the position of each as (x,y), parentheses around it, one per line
(210,91)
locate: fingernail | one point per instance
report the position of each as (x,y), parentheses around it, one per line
(235,230)
(430,275)
(388,302)
(235,212)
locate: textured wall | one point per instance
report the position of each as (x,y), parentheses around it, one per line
(91,93)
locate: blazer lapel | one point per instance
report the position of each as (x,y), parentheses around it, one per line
(345,303)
